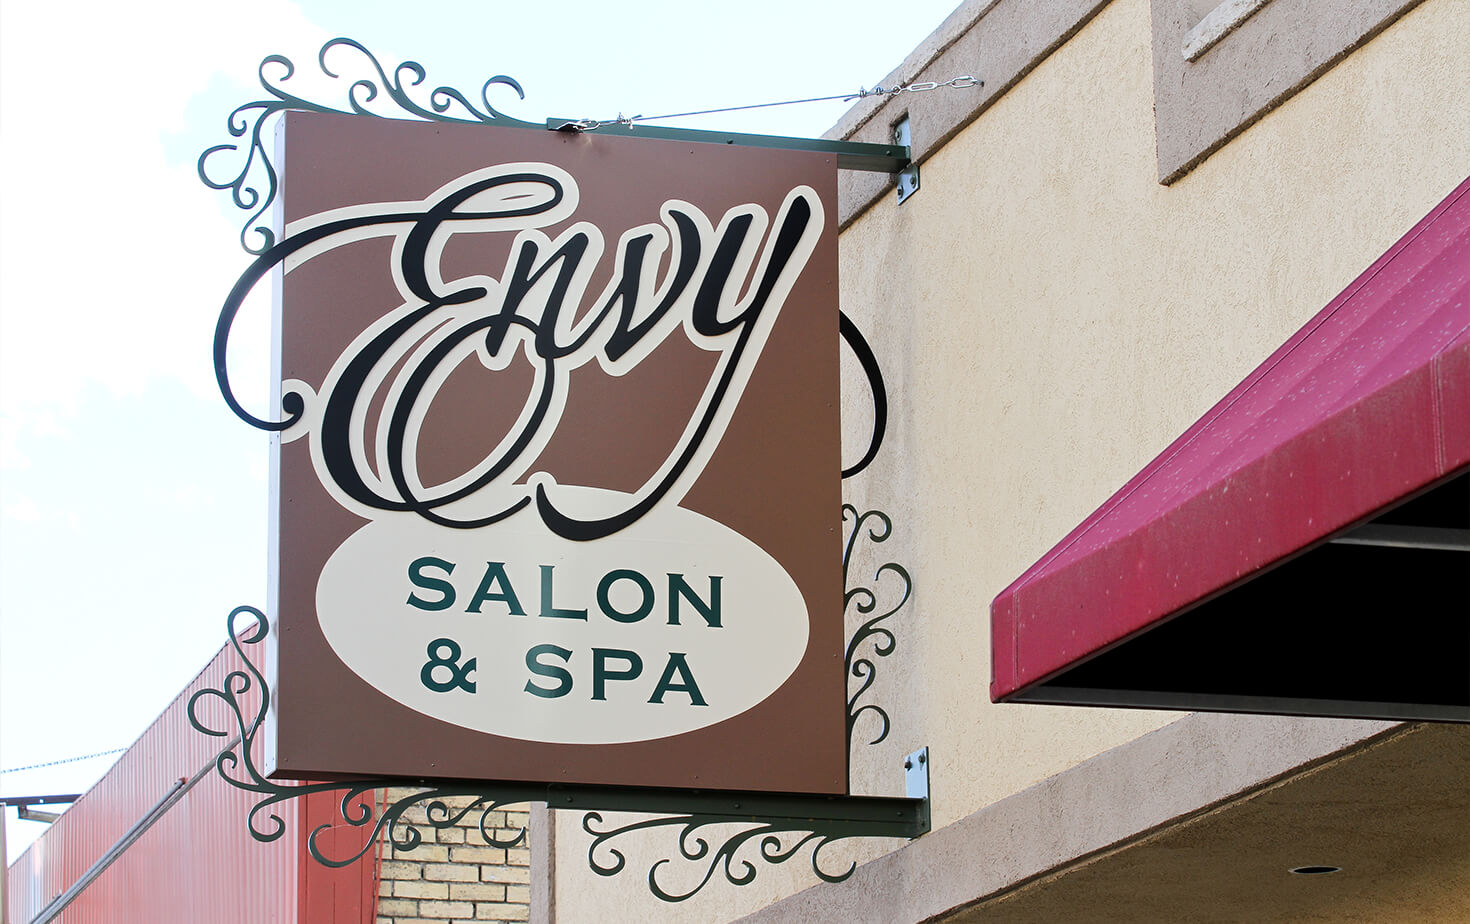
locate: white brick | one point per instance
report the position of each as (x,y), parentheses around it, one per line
(423,853)
(446,910)
(491,820)
(478,892)
(400,870)
(421,889)
(490,855)
(398,907)
(450,872)
(515,875)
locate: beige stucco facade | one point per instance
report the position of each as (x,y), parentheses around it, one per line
(1048,316)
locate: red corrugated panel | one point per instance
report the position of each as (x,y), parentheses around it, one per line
(198,862)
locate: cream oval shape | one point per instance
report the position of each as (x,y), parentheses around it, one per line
(715,619)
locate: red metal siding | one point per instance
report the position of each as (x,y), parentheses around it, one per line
(198,862)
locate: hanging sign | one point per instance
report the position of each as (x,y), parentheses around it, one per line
(559,495)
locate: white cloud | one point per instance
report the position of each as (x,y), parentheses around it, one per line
(21,509)
(113,260)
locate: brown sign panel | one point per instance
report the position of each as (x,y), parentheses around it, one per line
(561,503)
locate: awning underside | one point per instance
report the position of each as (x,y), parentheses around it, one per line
(1304,548)
(1364,630)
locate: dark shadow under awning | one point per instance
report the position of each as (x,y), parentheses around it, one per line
(1304,548)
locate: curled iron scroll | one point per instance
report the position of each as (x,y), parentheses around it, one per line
(244,699)
(869,362)
(699,839)
(372,92)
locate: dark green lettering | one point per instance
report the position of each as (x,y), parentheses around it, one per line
(600,673)
(624,574)
(495,574)
(562,676)
(547,607)
(677,665)
(419,579)
(678,587)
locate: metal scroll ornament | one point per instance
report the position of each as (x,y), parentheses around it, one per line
(246,698)
(695,848)
(357,807)
(871,639)
(244,167)
(774,840)
(372,92)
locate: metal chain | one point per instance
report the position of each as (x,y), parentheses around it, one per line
(957,83)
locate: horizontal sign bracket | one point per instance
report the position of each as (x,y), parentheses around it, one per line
(907,180)
(875,816)
(26,801)
(781,825)
(357,83)
(851,155)
(916,782)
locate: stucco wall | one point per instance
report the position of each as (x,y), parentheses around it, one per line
(1048,317)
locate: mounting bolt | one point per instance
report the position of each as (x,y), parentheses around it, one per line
(916,774)
(907,179)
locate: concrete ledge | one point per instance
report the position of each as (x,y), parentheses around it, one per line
(1262,55)
(1184,769)
(997,41)
(1246,61)
(1218,23)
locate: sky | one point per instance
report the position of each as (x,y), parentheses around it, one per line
(132,502)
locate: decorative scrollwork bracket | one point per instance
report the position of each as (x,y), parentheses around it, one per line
(778,838)
(372,92)
(780,829)
(871,639)
(236,766)
(367,89)
(780,826)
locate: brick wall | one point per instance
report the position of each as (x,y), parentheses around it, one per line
(453,876)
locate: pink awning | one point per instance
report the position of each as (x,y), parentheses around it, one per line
(1364,408)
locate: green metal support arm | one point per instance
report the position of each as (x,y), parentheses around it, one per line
(851,155)
(878,816)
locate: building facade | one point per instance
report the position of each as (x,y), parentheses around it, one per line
(1107,237)
(1141,203)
